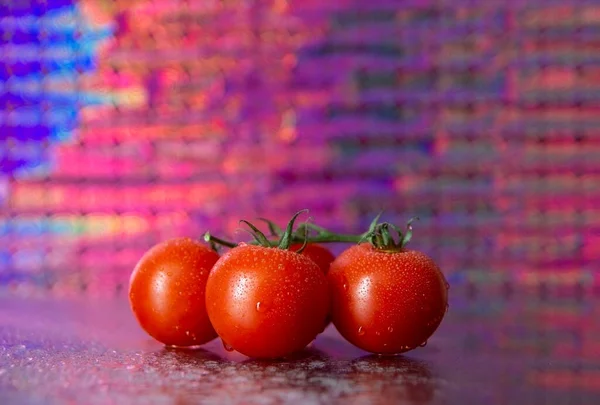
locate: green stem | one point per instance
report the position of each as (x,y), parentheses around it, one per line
(378,235)
(213,239)
(333,238)
(323,238)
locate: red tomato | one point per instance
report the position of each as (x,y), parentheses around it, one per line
(317,253)
(167,292)
(266,302)
(322,257)
(386,302)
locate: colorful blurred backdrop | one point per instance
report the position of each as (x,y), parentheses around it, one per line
(123,123)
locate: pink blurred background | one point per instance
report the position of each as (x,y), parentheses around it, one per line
(123,123)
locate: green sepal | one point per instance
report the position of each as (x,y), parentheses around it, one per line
(408,234)
(305,241)
(274,229)
(287,237)
(258,236)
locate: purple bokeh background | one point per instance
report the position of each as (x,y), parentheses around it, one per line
(125,123)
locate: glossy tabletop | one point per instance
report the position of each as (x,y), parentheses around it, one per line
(505,350)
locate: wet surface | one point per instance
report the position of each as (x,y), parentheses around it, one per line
(486,351)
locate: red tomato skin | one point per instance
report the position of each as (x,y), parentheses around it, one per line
(317,253)
(266,302)
(167,292)
(322,257)
(386,303)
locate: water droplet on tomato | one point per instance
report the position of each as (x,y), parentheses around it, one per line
(361,331)
(345,285)
(306,280)
(447,307)
(227,347)
(423,344)
(447,285)
(390,329)
(261,307)
(377,333)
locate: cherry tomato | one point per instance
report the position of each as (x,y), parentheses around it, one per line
(167,292)
(266,302)
(317,253)
(386,302)
(322,257)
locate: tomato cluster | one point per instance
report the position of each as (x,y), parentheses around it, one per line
(271,298)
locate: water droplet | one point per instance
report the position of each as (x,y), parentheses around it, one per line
(201,273)
(306,279)
(447,285)
(345,283)
(361,331)
(261,306)
(187,332)
(390,329)
(423,344)
(447,307)
(242,244)
(227,347)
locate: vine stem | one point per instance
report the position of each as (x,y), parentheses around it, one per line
(378,235)
(334,238)
(326,236)
(322,237)
(213,239)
